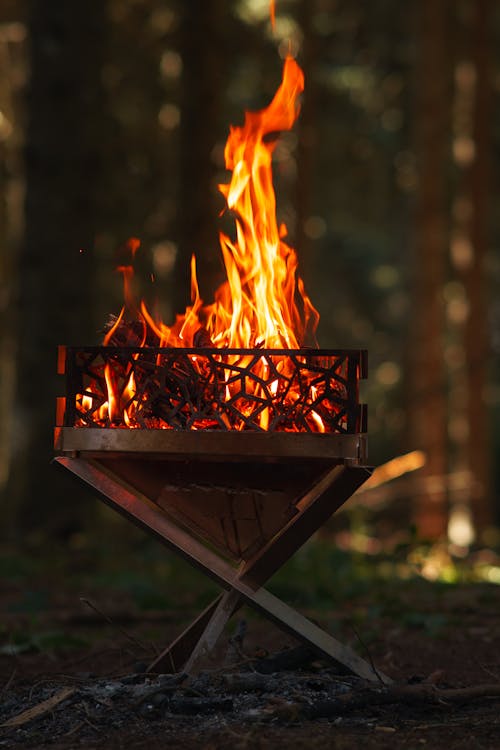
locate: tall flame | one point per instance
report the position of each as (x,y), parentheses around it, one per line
(259,296)
(263,302)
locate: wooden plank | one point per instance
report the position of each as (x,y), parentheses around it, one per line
(323,643)
(225,609)
(175,656)
(315,508)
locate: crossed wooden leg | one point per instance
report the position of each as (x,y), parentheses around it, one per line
(243,585)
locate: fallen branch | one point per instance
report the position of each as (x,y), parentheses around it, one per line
(286,660)
(392,694)
(457,695)
(40,709)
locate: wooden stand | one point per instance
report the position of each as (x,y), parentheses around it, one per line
(260,542)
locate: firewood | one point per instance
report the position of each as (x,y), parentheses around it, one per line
(288,659)
(130,333)
(423,693)
(202,338)
(40,709)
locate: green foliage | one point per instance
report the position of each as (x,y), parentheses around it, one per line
(50,642)
(31,602)
(351,591)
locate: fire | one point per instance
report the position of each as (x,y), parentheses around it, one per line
(262,304)
(259,298)
(272,14)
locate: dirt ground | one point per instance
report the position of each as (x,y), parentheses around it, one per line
(449,635)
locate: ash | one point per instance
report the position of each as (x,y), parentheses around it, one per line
(78,710)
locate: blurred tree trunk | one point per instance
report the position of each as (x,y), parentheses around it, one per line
(201,48)
(476,331)
(428,387)
(12,79)
(467,320)
(63,171)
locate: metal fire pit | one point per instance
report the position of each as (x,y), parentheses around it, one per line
(198,471)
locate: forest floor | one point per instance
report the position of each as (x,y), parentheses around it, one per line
(80,625)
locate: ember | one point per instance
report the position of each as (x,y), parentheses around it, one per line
(192,389)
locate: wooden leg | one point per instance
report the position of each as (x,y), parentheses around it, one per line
(229,602)
(307,632)
(241,587)
(174,657)
(316,507)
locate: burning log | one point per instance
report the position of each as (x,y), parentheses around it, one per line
(138,334)
(128,333)
(202,339)
(289,659)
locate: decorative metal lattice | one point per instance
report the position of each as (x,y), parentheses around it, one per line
(213,389)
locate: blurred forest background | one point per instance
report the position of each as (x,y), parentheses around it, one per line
(113,119)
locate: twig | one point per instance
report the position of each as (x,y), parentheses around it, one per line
(393,694)
(74,730)
(495,675)
(93,726)
(368,654)
(9,682)
(235,646)
(91,654)
(40,709)
(470,693)
(130,637)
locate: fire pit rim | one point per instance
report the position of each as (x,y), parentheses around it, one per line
(352,363)
(210,351)
(163,443)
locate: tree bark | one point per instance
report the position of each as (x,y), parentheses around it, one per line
(476,331)
(428,411)
(63,173)
(13,65)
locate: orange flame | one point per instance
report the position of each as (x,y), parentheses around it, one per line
(262,303)
(259,298)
